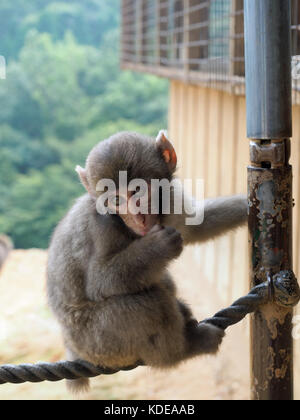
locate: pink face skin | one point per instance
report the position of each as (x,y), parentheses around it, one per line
(142,222)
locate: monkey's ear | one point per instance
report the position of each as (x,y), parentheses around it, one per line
(83,178)
(167,150)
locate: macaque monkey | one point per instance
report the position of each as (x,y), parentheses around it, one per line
(108,282)
(6,246)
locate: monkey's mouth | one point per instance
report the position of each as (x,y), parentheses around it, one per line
(142,224)
(145,222)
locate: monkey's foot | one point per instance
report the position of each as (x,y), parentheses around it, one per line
(203,338)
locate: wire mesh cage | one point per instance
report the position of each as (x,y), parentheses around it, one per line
(199,41)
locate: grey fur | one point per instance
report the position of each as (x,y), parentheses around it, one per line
(110,289)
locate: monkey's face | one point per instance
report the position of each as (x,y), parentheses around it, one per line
(136,209)
(119,175)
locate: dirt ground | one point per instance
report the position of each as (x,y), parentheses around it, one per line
(29,333)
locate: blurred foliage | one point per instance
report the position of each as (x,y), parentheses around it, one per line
(64,92)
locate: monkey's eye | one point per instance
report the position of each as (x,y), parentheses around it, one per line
(139,192)
(117,201)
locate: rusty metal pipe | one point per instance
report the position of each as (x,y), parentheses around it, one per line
(270,236)
(269,127)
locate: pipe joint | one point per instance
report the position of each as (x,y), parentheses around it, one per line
(284,289)
(270,153)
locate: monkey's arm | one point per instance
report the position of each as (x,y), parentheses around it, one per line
(135,268)
(221,215)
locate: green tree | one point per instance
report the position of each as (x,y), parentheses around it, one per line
(36,202)
(88,20)
(64,93)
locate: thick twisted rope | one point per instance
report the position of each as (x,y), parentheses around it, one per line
(258,296)
(54,372)
(281,288)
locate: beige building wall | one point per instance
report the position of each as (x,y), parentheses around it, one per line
(208,128)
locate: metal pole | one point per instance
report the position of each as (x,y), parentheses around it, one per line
(269,127)
(268,68)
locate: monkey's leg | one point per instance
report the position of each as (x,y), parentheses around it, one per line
(185,311)
(181,338)
(202,338)
(173,345)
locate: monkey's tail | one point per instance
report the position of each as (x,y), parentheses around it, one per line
(78,386)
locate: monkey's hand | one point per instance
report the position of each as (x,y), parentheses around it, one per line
(166,240)
(203,337)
